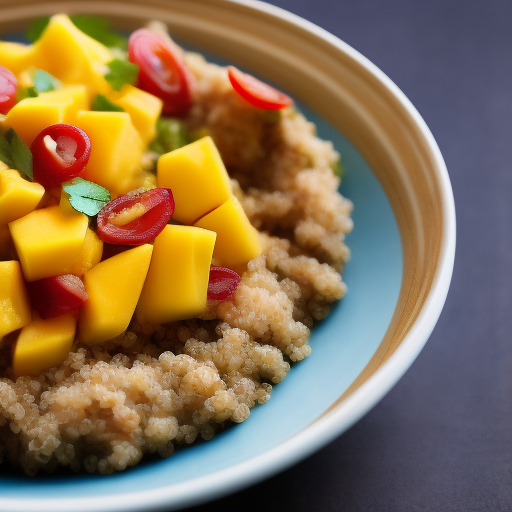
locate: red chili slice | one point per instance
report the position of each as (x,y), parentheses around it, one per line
(161,71)
(8,85)
(59,295)
(136,218)
(256,92)
(222,284)
(60,153)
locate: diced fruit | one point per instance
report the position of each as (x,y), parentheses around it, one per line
(31,115)
(14,302)
(8,86)
(113,287)
(60,153)
(161,71)
(56,296)
(144,110)
(16,57)
(135,219)
(197,177)
(18,197)
(237,240)
(177,281)
(116,151)
(222,284)
(43,344)
(72,56)
(48,241)
(7,251)
(89,256)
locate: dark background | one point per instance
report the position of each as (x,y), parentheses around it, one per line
(441,440)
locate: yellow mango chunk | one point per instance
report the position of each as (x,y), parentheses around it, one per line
(17,57)
(237,240)
(116,151)
(43,344)
(177,281)
(144,110)
(14,302)
(89,256)
(48,241)
(72,56)
(113,287)
(197,177)
(17,195)
(31,115)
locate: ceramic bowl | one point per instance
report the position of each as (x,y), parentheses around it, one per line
(402,247)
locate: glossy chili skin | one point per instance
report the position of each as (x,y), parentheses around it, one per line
(56,296)
(222,283)
(8,86)
(257,93)
(161,71)
(52,167)
(158,204)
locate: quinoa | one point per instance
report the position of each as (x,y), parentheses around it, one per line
(155,388)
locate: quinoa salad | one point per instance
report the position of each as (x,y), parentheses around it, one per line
(162,380)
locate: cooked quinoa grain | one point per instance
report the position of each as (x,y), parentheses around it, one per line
(155,388)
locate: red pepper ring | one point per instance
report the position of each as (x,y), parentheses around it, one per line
(8,86)
(147,213)
(161,71)
(222,284)
(60,153)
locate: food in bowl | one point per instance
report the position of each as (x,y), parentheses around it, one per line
(166,272)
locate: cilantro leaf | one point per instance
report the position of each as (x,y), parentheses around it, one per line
(26,92)
(16,154)
(171,135)
(94,26)
(337,169)
(103,104)
(44,82)
(121,72)
(86,196)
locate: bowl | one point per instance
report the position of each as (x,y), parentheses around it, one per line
(402,247)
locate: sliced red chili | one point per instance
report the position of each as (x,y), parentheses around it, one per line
(59,295)
(8,85)
(222,284)
(135,218)
(256,92)
(60,153)
(161,71)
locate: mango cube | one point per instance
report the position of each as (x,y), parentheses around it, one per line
(14,302)
(17,57)
(72,56)
(144,110)
(116,151)
(43,344)
(113,287)
(197,177)
(89,256)
(48,241)
(17,195)
(237,240)
(177,281)
(31,115)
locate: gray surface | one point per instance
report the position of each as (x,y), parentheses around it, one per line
(441,440)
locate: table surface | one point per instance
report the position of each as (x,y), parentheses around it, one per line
(441,440)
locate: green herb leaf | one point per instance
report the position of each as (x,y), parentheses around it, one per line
(26,92)
(121,72)
(94,26)
(44,82)
(16,154)
(85,196)
(337,169)
(103,104)
(171,135)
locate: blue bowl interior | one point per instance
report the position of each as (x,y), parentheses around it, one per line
(342,345)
